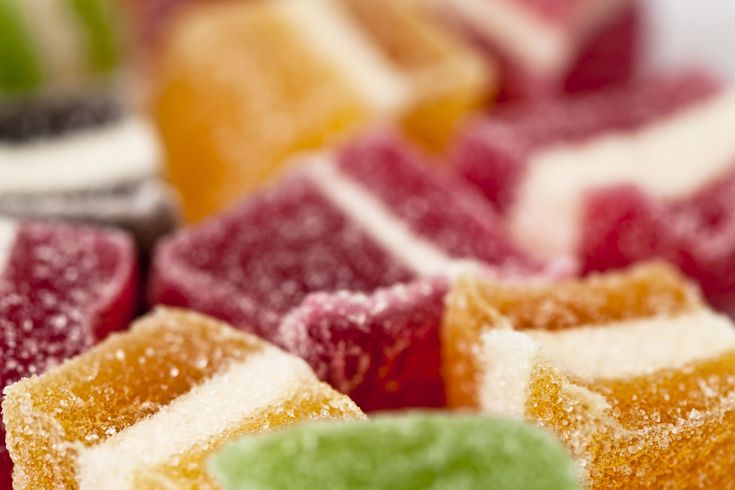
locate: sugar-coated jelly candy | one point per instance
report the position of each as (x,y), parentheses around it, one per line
(367,217)
(544,48)
(244,85)
(628,174)
(413,451)
(83,159)
(630,371)
(62,289)
(145,408)
(381,348)
(57,45)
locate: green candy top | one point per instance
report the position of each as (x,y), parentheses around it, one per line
(406,452)
(63,43)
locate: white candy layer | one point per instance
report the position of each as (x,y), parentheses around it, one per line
(90,159)
(379,222)
(637,347)
(220,403)
(509,358)
(8,232)
(528,39)
(668,159)
(327,27)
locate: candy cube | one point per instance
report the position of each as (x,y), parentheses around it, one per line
(630,371)
(629,174)
(68,148)
(399,452)
(547,47)
(367,217)
(144,409)
(380,349)
(82,159)
(61,290)
(60,45)
(244,85)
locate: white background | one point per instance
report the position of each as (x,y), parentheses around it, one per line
(691,32)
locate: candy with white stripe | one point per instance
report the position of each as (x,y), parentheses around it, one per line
(630,370)
(62,289)
(145,408)
(628,174)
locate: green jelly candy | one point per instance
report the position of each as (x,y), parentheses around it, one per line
(20,69)
(101,30)
(415,451)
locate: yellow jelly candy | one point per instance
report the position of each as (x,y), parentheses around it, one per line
(144,409)
(630,370)
(242,86)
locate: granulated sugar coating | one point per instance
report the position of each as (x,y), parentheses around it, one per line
(244,86)
(629,174)
(145,408)
(640,385)
(62,289)
(334,225)
(406,452)
(642,291)
(381,349)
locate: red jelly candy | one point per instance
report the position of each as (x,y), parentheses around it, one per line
(371,216)
(628,174)
(381,349)
(62,289)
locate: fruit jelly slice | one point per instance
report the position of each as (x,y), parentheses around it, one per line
(214,61)
(406,451)
(309,402)
(474,304)
(493,153)
(62,289)
(254,264)
(610,55)
(623,225)
(92,410)
(435,204)
(381,349)
(447,78)
(667,428)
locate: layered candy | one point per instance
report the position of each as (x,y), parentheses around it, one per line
(69,149)
(370,216)
(629,370)
(62,289)
(544,48)
(381,348)
(628,174)
(399,452)
(244,85)
(145,409)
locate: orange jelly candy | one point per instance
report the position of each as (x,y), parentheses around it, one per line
(242,86)
(144,409)
(630,370)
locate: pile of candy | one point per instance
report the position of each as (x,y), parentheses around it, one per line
(479,215)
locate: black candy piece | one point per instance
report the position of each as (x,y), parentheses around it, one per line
(25,120)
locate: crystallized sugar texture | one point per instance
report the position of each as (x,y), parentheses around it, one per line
(370,217)
(381,349)
(631,174)
(643,394)
(407,452)
(145,408)
(246,85)
(62,289)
